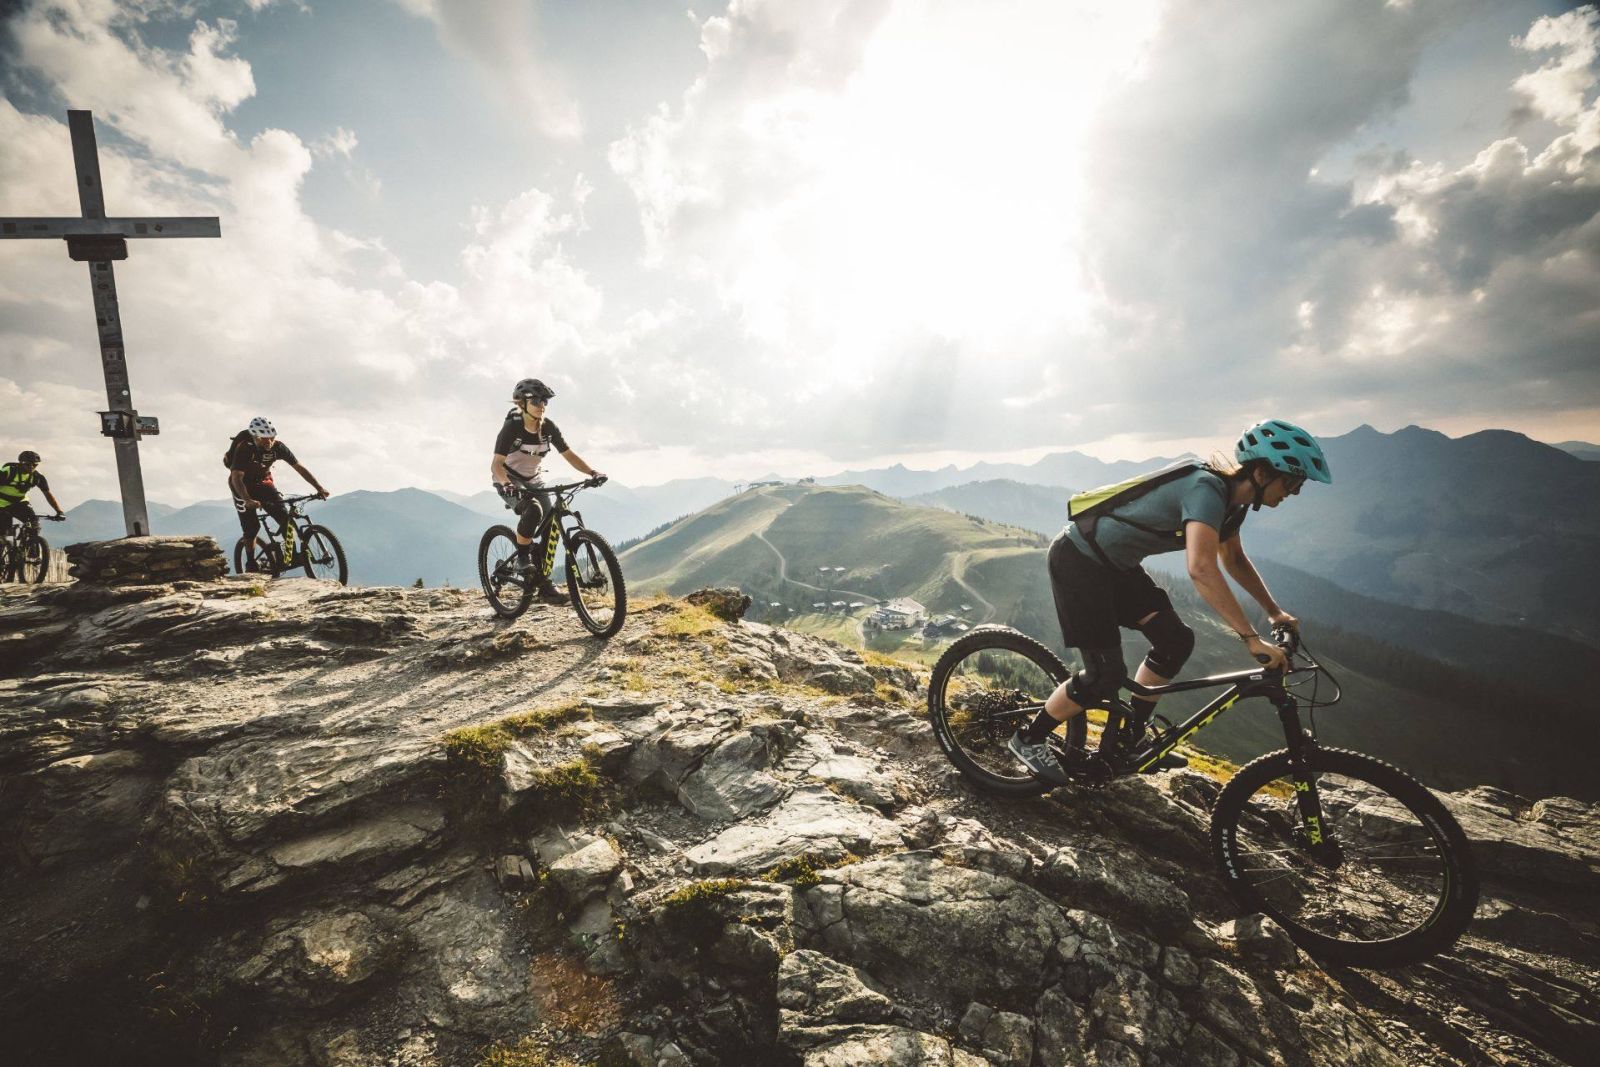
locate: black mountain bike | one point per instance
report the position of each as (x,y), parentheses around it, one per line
(594,577)
(1357,860)
(316,550)
(24,555)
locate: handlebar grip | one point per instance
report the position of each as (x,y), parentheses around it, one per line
(1262,658)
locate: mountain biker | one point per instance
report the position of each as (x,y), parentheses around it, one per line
(1100,587)
(525,438)
(250,459)
(16,479)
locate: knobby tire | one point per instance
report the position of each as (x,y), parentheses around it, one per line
(1458,881)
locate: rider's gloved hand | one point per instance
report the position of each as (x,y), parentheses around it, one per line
(1285,620)
(322,494)
(1267,654)
(597,478)
(508,495)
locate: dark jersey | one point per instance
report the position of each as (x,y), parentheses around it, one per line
(525,450)
(256,462)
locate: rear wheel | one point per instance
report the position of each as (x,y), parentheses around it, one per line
(985,687)
(1383,879)
(35,555)
(324,555)
(594,580)
(254,556)
(509,591)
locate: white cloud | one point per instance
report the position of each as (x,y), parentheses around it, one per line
(370,372)
(501,38)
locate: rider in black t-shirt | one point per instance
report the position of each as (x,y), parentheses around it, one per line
(525,439)
(250,460)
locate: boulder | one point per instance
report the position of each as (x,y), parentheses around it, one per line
(812,820)
(726,604)
(146,560)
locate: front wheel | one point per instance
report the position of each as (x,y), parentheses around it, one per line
(509,589)
(985,687)
(1381,877)
(35,559)
(594,580)
(324,555)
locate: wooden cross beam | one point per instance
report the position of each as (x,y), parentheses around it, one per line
(97,241)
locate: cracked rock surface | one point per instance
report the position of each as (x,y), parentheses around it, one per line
(287,823)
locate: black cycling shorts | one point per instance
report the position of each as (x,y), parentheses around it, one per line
(1093,602)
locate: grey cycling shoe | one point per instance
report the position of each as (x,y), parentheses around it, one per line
(1038,758)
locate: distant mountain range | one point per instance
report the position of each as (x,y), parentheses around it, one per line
(1581,449)
(1493,526)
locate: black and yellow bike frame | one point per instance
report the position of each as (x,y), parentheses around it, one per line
(1240,685)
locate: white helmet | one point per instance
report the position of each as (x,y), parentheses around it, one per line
(260,428)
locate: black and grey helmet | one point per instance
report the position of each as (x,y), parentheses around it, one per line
(28,457)
(532,389)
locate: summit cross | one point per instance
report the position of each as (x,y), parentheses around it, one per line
(97,241)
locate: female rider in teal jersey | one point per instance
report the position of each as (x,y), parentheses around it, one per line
(1100,587)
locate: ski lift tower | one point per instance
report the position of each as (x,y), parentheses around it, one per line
(98,241)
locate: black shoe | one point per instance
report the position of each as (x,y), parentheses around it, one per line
(549,594)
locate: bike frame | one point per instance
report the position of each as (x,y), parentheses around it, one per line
(1240,685)
(274,532)
(551,528)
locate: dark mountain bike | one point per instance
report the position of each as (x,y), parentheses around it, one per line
(316,550)
(594,577)
(24,555)
(1357,860)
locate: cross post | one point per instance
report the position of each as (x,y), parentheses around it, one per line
(98,241)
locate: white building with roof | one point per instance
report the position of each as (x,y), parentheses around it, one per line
(901,613)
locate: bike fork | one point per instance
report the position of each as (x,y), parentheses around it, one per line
(1308,804)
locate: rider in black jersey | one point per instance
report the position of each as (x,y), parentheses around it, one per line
(525,439)
(1100,587)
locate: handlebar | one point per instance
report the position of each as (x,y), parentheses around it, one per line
(523,485)
(301,499)
(53,518)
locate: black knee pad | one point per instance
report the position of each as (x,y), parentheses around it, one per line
(1098,683)
(532,513)
(1171,643)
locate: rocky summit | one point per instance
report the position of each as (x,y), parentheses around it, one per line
(285,823)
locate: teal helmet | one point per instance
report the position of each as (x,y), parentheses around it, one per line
(1286,447)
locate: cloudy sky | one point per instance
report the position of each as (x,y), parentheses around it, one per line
(802,236)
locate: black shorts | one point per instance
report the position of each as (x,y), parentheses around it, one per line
(1092,601)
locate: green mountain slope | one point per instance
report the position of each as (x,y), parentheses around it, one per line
(1452,726)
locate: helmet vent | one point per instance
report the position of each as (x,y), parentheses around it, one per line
(1281,446)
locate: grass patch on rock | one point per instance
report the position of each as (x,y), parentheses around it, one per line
(563,790)
(529,1052)
(805,869)
(695,910)
(477,749)
(688,620)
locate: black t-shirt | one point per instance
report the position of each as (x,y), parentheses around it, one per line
(256,462)
(525,450)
